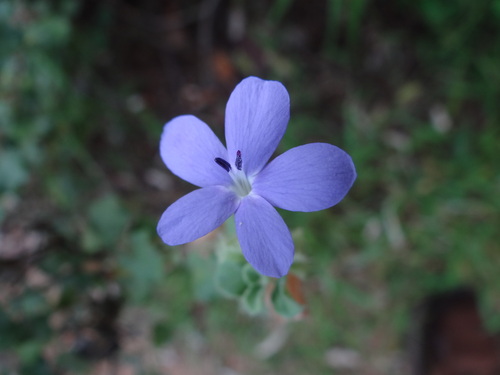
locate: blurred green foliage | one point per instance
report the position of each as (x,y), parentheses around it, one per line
(50,94)
(409,89)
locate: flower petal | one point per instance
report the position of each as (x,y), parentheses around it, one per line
(257,114)
(264,237)
(307,178)
(196,214)
(188,148)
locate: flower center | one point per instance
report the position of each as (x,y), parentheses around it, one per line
(241,185)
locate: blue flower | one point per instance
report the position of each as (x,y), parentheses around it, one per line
(239,180)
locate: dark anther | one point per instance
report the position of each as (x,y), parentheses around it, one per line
(224,164)
(238,161)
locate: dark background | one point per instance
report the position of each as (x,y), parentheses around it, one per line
(410,89)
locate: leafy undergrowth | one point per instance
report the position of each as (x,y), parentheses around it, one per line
(409,89)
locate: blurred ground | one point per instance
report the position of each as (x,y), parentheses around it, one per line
(409,89)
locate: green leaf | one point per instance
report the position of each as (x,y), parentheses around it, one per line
(50,31)
(108,219)
(202,271)
(282,302)
(91,242)
(162,332)
(228,278)
(31,303)
(13,172)
(62,189)
(30,351)
(252,300)
(144,266)
(250,276)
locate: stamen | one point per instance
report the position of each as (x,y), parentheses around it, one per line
(239,161)
(224,164)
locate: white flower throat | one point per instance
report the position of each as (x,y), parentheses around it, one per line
(242,186)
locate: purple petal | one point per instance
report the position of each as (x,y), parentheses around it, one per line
(196,214)
(264,237)
(188,147)
(257,114)
(307,178)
